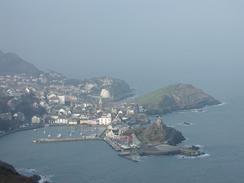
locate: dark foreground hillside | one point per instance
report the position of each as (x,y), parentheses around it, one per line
(8,174)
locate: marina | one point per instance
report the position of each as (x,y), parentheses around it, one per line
(67,134)
(66,139)
(60,134)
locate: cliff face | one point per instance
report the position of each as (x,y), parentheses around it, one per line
(8,174)
(11,64)
(174,98)
(159,133)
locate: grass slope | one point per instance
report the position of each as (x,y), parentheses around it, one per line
(154,98)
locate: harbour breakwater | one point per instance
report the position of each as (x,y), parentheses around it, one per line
(130,153)
(66,139)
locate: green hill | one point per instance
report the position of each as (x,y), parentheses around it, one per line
(154,97)
(175,97)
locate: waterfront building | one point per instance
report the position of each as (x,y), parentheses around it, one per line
(72,121)
(105,119)
(88,122)
(61,120)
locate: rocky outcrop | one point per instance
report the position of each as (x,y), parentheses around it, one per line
(12,64)
(165,149)
(8,174)
(174,98)
(158,133)
(160,149)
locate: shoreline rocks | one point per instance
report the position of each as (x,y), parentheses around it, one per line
(159,139)
(158,133)
(8,174)
(165,149)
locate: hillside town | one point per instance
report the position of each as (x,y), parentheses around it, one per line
(99,107)
(68,104)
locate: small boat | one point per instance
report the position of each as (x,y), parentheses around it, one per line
(59,135)
(49,136)
(187,123)
(35,141)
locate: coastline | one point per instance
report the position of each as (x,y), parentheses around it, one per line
(21,129)
(160,149)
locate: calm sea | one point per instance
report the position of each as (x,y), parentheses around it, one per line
(219,131)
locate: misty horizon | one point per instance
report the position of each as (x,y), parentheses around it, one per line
(104,91)
(157,43)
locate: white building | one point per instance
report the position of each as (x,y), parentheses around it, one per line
(105,120)
(61,99)
(88,122)
(61,121)
(73,122)
(35,120)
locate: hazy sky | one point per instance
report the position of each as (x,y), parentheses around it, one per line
(147,43)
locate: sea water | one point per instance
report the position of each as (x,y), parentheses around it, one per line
(218,130)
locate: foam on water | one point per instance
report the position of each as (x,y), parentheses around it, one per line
(204,109)
(45,178)
(186,139)
(199,146)
(221,104)
(194,110)
(193,157)
(30,172)
(27,172)
(199,110)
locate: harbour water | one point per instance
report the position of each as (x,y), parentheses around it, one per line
(218,130)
